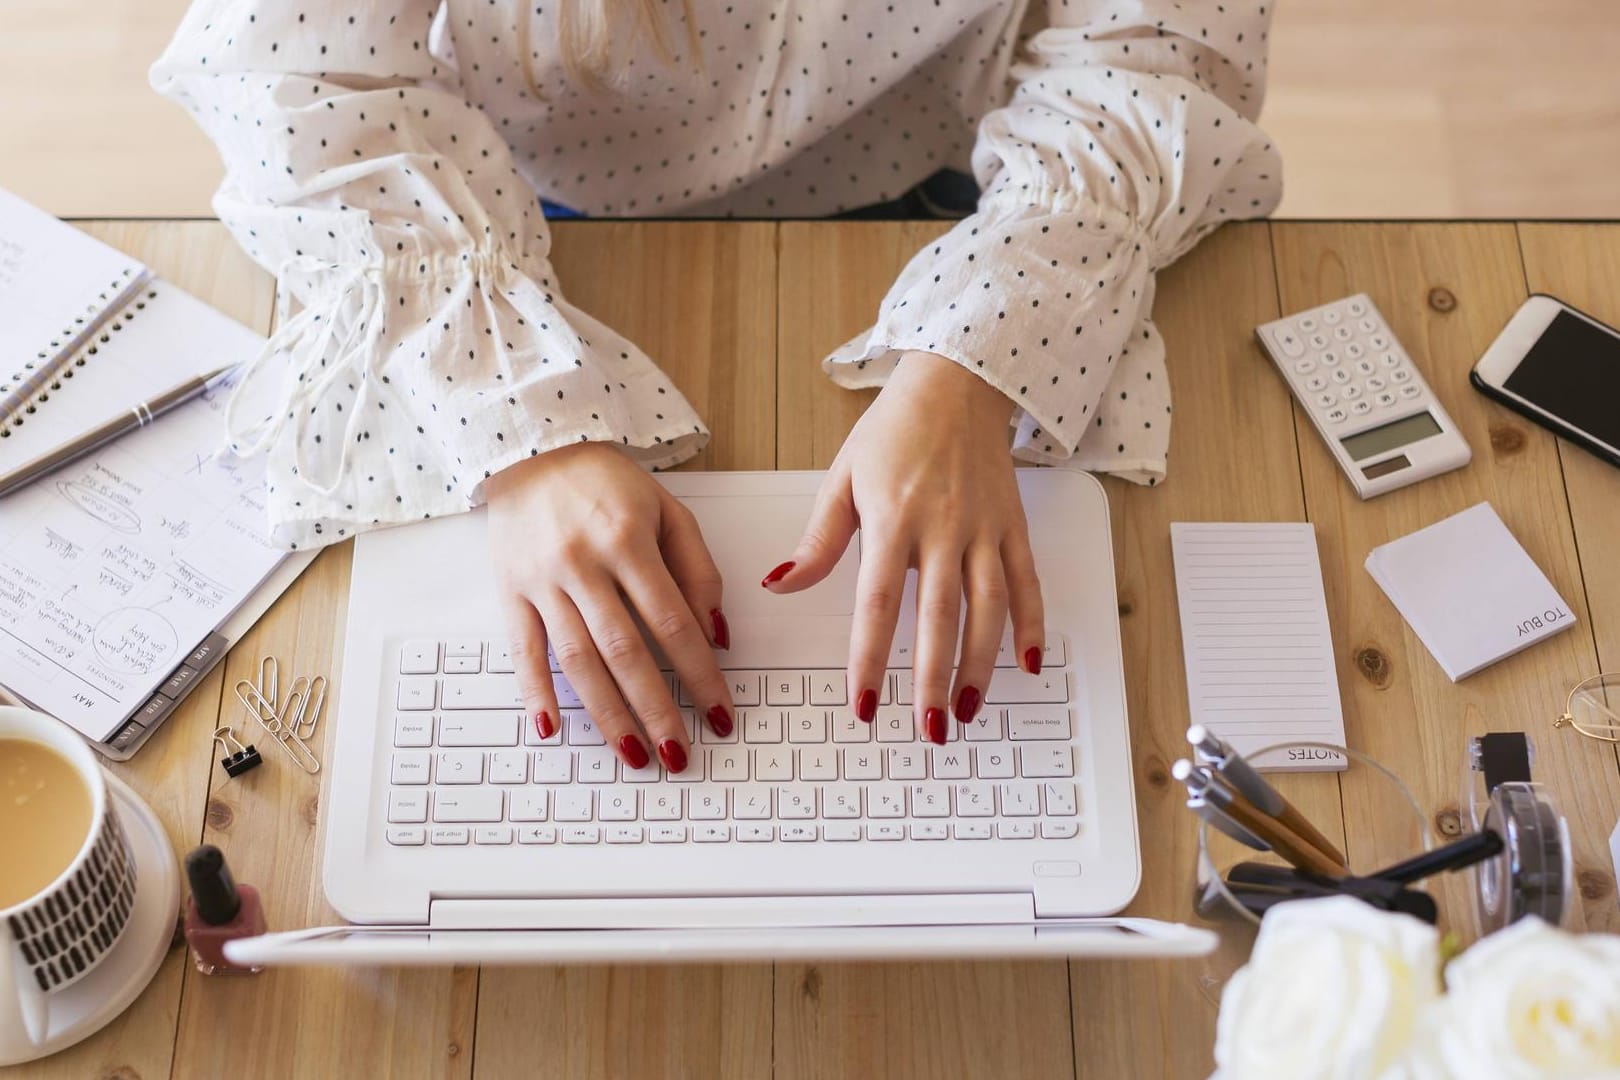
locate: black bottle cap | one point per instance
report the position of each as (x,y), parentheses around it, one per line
(213,890)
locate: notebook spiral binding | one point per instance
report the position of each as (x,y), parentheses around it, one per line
(26,390)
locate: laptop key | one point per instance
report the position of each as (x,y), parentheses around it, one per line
(818,763)
(784,688)
(1015,830)
(756,834)
(1010,686)
(553,766)
(951,763)
(975,800)
(469,804)
(908,763)
(1060,799)
(711,834)
(419,658)
(413,730)
(410,768)
(415,692)
(708,804)
(618,804)
(1025,723)
(625,834)
(752,805)
(1020,800)
(407,836)
(828,688)
(448,835)
(479,692)
(798,834)
(761,725)
(807,725)
(667,834)
(885,832)
(573,804)
(886,801)
(537,834)
(508,767)
(582,834)
(460,767)
(1043,761)
(664,804)
(895,725)
(479,729)
(929,830)
(971,830)
(795,803)
(841,831)
(728,765)
(841,801)
(1059,830)
(408,806)
(492,834)
(529,804)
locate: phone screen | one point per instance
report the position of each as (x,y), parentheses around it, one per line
(1573,372)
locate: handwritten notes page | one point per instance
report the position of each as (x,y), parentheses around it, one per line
(115,568)
(1254,631)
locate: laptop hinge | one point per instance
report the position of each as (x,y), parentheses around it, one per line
(622,913)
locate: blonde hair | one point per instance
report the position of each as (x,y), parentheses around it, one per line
(594,35)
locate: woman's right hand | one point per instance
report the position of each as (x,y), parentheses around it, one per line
(581,537)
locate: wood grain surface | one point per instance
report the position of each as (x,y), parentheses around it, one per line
(740,314)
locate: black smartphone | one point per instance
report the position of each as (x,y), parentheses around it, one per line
(1560,367)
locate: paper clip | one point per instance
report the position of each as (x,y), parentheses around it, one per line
(300,718)
(295,748)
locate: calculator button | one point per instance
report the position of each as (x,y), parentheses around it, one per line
(1378,342)
(1374,383)
(1318,342)
(1343,333)
(1341,376)
(1367,326)
(1385,400)
(1306,323)
(1399,375)
(1365,367)
(1332,317)
(1362,407)
(1351,392)
(1356,308)
(1411,390)
(1289,343)
(1305,366)
(1389,359)
(1315,383)
(1335,416)
(1354,351)
(1326,400)
(1330,358)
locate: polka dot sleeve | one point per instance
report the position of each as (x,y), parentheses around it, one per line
(433,347)
(1129,135)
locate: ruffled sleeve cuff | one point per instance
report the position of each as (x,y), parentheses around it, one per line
(400,388)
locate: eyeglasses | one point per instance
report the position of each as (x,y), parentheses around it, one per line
(1588,710)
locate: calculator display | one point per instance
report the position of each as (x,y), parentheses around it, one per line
(1410,429)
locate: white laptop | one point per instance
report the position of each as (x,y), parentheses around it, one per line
(455,835)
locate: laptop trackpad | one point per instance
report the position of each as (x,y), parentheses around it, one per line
(749,535)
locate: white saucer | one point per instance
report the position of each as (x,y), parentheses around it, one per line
(94,1001)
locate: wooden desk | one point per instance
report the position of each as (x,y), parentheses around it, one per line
(740,313)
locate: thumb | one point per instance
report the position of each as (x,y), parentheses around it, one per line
(827,535)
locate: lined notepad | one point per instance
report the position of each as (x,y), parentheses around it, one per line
(1254,633)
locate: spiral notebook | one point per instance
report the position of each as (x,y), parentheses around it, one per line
(125,574)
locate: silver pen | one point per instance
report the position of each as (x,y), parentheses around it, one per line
(1199,790)
(137,417)
(1229,765)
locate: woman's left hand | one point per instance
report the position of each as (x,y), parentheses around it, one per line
(927,477)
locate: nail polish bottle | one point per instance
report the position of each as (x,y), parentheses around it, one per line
(219,910)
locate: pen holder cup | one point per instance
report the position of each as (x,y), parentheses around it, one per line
(1397,827)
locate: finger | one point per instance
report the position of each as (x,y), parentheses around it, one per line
(640,683)
(531,666)
(986,587)
(879,585)
(1024,601)
(939,611)
(692,567)
(672,624)
(826,536)
(577,651)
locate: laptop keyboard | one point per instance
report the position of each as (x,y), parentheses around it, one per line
(469,768)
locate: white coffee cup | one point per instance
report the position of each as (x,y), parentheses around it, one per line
(57,936)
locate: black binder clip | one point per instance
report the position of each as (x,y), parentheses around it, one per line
(238,759)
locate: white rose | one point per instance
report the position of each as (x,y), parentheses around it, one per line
(1334,989)
(1533,1001)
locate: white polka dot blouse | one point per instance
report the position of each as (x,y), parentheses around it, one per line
(386,160)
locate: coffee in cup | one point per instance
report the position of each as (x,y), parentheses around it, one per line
(45,815)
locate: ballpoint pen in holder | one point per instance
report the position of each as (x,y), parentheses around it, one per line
(1371,850)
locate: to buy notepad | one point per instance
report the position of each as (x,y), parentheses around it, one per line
(1469,590)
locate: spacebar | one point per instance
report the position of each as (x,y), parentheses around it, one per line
(480,692)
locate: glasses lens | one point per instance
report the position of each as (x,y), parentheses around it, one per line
(1595,706)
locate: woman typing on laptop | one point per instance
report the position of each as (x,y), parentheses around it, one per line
(384,160)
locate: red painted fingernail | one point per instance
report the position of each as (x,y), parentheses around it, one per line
(778,574)
(967,703)
(866,705)
(673,757)
(722,632)
(634,754)
(543,725)
(934,723)
(719,720)
(1032,659)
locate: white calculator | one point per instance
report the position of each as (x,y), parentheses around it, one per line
(1365,396)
